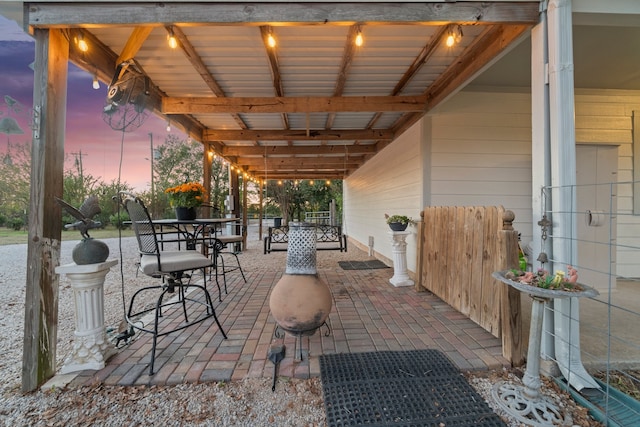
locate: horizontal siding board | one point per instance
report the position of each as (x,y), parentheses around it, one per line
(480,133)
(485,146)
(603,122)
(486,160)
(604,136)
(486,174)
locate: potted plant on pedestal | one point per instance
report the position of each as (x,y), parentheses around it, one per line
(185,198)
(398,222)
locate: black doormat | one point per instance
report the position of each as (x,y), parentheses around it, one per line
(400,388)
(362,265)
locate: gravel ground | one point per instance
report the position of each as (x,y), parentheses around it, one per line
(240,403)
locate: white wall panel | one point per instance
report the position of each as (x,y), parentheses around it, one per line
(480,154)
(391,182)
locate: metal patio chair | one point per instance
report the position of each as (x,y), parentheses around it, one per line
(171,267)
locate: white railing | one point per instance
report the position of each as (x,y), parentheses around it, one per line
(320,217)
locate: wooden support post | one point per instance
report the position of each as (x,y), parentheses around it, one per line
(419,285)
(207,162)
(263,185)
(45,216)
(511,317)
(245,221)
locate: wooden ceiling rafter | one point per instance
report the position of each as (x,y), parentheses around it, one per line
(134,43)
(103,61)
(330,148)
(345,65)
(420,60)
(266,31)
(198,64)
(486,47)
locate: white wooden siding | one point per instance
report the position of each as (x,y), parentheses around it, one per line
(481,155)
(605,117)
(391,182)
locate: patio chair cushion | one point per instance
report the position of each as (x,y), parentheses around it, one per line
(171,261)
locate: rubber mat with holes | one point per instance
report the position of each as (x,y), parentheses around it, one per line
(362,265)
(400,388)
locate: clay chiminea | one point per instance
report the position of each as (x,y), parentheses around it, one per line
(300,302)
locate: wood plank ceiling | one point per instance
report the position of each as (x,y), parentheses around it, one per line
(314,106)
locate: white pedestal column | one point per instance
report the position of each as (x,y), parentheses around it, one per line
(91,349)
(399,250)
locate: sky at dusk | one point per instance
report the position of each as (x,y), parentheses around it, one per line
(86,132)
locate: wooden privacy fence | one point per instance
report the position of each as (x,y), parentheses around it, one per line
(460,246)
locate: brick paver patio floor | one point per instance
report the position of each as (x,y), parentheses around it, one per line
(368,314)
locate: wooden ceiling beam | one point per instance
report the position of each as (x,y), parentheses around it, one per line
(300,175)
(289,161)
(337,13)
(228,151)
(299,104)
(260,170)
(297,135)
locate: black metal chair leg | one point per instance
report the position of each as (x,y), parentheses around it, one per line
(224,274)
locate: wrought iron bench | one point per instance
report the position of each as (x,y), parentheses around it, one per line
(329,237)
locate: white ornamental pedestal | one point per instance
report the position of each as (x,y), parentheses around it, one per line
(399,251)
(91,348)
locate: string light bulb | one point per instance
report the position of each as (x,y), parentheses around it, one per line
(450,40)
(271,41)
(82,43)
(359,39)
(454,36)
(171,38)
(96,83)
(168,126)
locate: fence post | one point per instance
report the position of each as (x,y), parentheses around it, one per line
(511,322)
(420,252)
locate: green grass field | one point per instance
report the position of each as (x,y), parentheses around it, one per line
(12,237)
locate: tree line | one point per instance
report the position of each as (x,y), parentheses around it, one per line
(174,161)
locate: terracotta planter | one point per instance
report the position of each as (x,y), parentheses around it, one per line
(300,302)
(185,214)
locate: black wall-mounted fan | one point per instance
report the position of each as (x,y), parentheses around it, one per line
(125,108)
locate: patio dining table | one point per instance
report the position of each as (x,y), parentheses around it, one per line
(189,231)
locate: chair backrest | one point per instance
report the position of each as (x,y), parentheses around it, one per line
(142,225)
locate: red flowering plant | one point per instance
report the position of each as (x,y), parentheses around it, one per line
(188,195)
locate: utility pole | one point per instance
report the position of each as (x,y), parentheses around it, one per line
(79,168)
(153,193)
